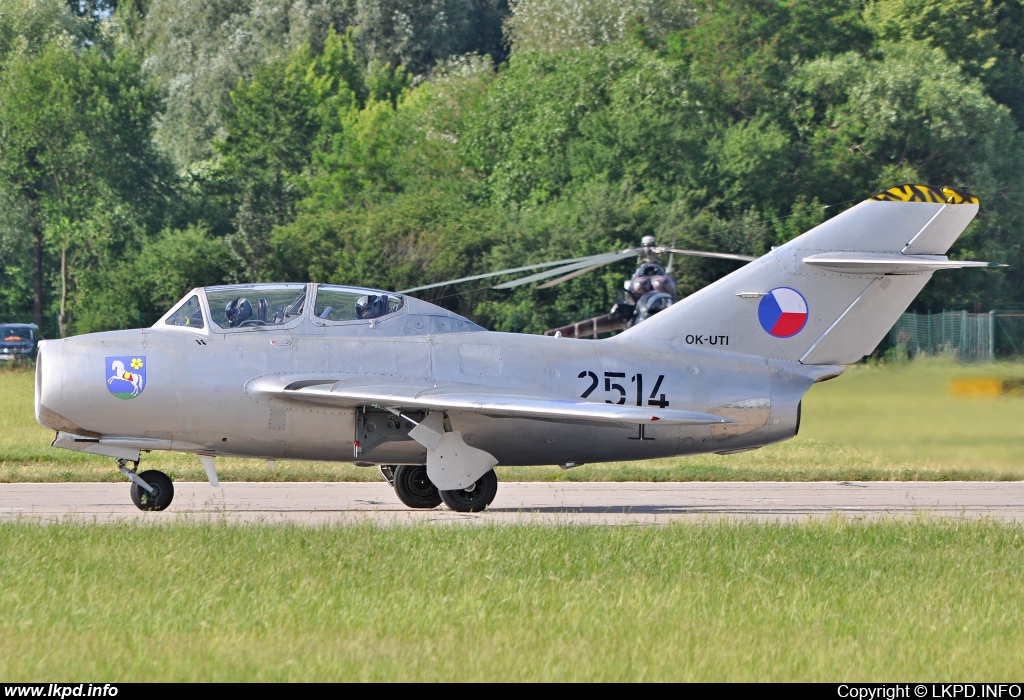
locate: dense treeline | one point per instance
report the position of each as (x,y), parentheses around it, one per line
(149,147)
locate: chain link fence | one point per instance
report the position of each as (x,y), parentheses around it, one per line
(972,337)
(1009,332)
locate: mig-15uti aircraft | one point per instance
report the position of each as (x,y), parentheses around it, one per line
(324,372)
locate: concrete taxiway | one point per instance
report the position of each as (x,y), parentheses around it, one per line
(518,502)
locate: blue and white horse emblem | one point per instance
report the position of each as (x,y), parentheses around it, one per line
(126,376)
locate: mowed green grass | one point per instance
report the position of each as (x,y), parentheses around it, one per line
(899,422)
(822,601)
(828,601)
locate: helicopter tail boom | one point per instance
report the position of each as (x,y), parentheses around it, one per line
(829,296)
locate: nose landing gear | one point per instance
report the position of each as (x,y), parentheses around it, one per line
(151,490)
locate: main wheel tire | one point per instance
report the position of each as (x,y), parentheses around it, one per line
(474,499)
(163,491)
(414,488)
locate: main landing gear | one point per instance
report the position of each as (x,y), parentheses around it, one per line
(151,490)
(414,489)
(476,497)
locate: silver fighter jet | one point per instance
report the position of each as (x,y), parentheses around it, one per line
(324,372)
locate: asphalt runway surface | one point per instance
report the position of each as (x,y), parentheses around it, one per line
(603,503)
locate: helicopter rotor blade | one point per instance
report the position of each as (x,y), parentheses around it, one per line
(509,271)
(591,261)
(571,275)
(705,254)
(574,266)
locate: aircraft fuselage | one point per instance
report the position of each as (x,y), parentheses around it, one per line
(198,391)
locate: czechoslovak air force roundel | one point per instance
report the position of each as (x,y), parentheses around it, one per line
(782,312)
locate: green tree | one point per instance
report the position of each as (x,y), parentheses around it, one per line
(198,52)
(911,117)
(278,120)
(744,50)
(270,133)
(28,25)
(92,14)
(418,35)
(985,39)
(391,202)
(607,113)
(16,259)
(558,25)
(76,149)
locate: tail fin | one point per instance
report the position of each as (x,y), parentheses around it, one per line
(830,295)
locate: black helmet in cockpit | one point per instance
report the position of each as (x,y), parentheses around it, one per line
(370,306)
(238,310)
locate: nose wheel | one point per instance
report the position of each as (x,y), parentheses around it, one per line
(160,497)
(151,490)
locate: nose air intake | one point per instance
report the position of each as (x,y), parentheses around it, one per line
(45,394)
(49,390)
(39,380)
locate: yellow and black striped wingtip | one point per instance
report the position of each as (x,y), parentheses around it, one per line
(925,193)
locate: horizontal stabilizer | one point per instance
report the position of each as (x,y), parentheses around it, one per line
(888,263)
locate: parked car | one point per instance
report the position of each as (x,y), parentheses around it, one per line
(18,341)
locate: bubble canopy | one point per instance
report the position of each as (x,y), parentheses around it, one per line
(254,306)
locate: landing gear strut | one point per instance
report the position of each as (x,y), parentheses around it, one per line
(151,490)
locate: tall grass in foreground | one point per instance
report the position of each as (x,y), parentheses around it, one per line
(832,601)
(895,422)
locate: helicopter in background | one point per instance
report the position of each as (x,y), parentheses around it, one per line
(651,288)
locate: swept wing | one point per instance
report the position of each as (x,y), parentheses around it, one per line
(489,401)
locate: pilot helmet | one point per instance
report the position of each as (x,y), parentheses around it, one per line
(238,310)
(366,306)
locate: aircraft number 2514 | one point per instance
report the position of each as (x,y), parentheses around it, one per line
(613,387)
